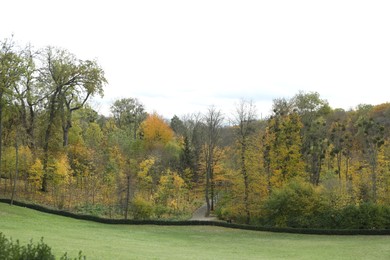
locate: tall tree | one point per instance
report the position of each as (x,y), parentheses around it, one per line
(372,137)
(193,143)
(28,94)
(10,73)
(244,120)
(312,111)
(70,82)
(341,140)
(213,120)
(282,149)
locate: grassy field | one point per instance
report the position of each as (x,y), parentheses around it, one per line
(102,241)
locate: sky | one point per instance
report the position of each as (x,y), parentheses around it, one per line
(181,57)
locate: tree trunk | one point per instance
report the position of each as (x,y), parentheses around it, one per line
(246,182)
(346,168)
(66,126)
(374,186)
(339,164)
(207,192)
(16,169)
(45,158)
(1,139)
(52,113)
(127,196)
(66,135)
(212,195)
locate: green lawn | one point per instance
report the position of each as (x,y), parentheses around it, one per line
(102,241)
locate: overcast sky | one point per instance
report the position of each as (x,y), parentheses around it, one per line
(179,57)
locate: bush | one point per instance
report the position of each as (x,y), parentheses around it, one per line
(296,205)
(365,216)
(299,205)
(93,209)
(141,208)
(230,209)
(160,210)
(10,250)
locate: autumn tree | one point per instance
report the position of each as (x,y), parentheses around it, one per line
(244,125)
(282,148)
(10,73)
(192,144)
(170,192)
(69,82)
(156,131)
(372,137)
(213,120)
(312,111)
(340,138)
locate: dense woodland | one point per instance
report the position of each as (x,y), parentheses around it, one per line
(306,165)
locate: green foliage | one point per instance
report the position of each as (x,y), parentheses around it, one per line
(295,205)
(10,250)
(92,209)
(300,205)
(141,208)
(365,216)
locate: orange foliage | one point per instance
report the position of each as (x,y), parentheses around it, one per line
(155,131)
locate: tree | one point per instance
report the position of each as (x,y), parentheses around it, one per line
(28,94)
(129,113)
(372,136)
(212,134)
(282,149)
(244,125)
(155,131)
(312,111)
(193,143)
(10,73)
(178,127)
(70,82)
(341,141)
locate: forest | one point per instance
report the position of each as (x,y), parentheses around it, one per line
(305,165)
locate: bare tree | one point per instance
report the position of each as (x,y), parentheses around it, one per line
(245,117)
(212,135)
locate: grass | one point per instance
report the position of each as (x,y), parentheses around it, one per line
(102,241)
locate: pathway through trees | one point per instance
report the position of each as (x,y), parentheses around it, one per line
(200,214)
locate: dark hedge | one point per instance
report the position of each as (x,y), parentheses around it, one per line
(201,223)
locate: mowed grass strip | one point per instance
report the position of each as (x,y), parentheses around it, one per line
(103,241)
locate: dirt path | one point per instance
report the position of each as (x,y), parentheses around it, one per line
(200,214)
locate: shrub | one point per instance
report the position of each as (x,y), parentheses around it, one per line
(365,216)
(299,205)
(10,250)
(141,208)
(92,209)
(295,205)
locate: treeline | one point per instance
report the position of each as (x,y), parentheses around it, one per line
(304,161)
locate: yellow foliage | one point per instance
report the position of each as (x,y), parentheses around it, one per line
(60,170)
(155,131)
(171,190)
(143,175)
(35,173)
(9,159)
(178,182)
